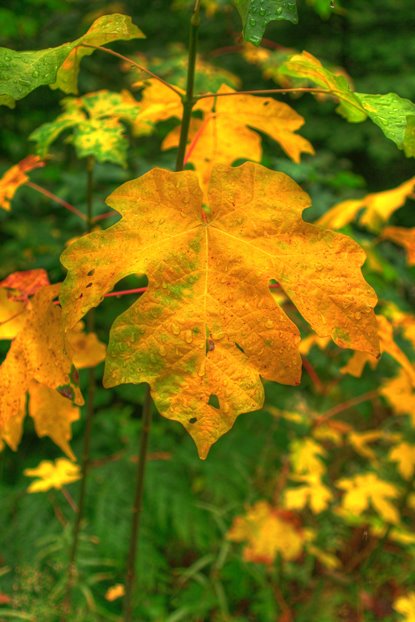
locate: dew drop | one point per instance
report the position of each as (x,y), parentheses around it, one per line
(262,11)
(278,10)
(188,336)
(269,323)
(162,351)
(358,315)
(175,329)
(252,22)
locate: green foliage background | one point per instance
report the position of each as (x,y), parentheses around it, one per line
(187,569)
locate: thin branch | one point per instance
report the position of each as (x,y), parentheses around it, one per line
(314,91)
(125,292)
(53,197)
(134,64)
(365,397)
(314,377)
(137,507)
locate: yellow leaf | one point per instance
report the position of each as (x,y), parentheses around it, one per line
(313,340)
(404,237)
(400,394)
(377,208)
(405,605)
(223,135)
(38,353)
(85,348)
(360,441)
(362,491)
(207,327)
(15,177)
(267,532)
(158,103)
(306,457)
(12,316)
(313,492)
(114,592)
(53,415)
(404,455)
(387,344)
(53,475)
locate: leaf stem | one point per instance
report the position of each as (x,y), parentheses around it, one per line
(189,100)
(54,197)
(86,451)
(134,64)
(137,507)
(359,399)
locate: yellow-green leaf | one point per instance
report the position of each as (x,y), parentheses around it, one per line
(53,475)
(22,72)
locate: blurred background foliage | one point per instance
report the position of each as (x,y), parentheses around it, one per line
(188,570)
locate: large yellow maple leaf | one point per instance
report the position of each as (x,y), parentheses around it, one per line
(207,328)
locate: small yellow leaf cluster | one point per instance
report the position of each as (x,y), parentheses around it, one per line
(53,475)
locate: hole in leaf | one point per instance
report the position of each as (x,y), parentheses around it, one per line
(91,272)
(193,420)
(89,285)
(214,401)
(240,348)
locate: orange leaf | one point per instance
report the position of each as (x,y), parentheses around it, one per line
(15,177)
(404,237)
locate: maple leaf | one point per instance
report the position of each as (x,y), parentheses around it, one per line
(404,455)
(25,283)
(255,18)
(38,354)
(58,67)
(364,490)
(223,135)
(95,123)
(306,456)
(267,532)
(208,325)
(361,440)
(158,103)
(393,114)
(312,492)
(15,177)
(356,364)
(405,605)
(53,475)
(376,208)
(404,237)
(11,316)
(53,415)
(400,394)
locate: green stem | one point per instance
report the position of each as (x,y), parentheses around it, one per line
(88,420)
(137,507)
(188,99)
(188,103)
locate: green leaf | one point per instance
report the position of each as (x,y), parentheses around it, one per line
(393,114)
(22,72)
(97,130)
(256,14)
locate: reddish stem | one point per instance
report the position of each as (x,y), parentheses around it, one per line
(124,292)
(365,397)
(196,138)
(53,197)
(314,377)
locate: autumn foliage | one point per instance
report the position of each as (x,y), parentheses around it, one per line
(243,304)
